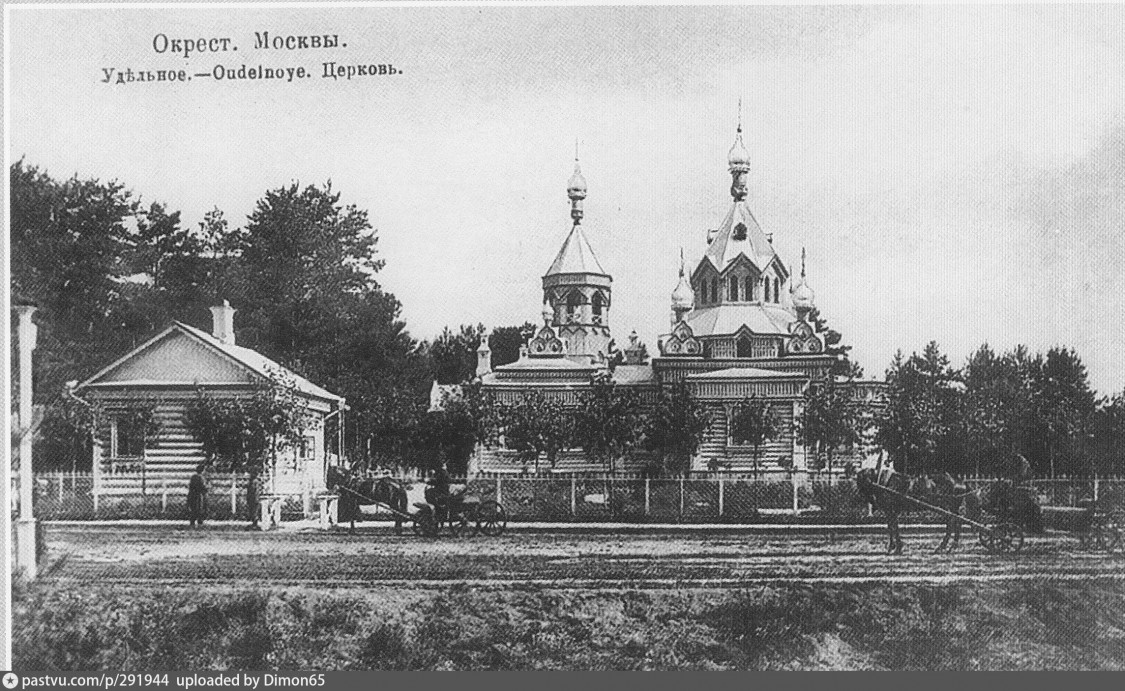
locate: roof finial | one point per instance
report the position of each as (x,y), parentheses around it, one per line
(576,189)
(681,262)
(740,114)
(802,262)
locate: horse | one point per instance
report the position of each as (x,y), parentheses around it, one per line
(358,490)
(904,490)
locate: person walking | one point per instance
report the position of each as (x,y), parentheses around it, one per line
(197,489)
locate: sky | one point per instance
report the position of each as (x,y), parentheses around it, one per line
(955,173)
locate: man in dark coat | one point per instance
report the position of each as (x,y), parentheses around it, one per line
(253,493)
(197,488)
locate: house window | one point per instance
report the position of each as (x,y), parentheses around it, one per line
(734,288)
(776,291)
(744,347)
(597,308)
(126,441)
(749,294)
(714,291)
(766,288)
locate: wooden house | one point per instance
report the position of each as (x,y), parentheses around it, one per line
(164,375)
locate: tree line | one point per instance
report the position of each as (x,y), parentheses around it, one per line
(108,271)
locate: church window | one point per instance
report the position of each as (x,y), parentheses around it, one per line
(749,288)
(740,232)
(734,288)
(744,347)
(597,307)
(572,302)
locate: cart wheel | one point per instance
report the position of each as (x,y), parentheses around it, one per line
(492,519)
(987,538)
(460,525)
(1007,537)
(1107,533)
(425,524)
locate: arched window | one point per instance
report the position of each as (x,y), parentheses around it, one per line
(776,291)
(714,290)
(744,347)
(749,288)
(572,302)
(766,289)
(734,288)
(597,308)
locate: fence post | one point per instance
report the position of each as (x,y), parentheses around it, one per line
(233,496)
(60,486)
(646,495)
(163,495)
(681,498)
(499,480)
(793,484)
(721,484)
(95,493)
(573,496)
(1095,490)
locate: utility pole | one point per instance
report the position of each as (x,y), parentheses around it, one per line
(25,524)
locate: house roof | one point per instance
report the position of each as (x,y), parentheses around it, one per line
(634,375)
(760,318)
(724,248)
(576,256)
(242,358)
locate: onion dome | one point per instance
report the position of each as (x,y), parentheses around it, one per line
(739,157)
(683,298)
(801,293)
(576,188)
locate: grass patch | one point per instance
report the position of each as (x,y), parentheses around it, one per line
(1042,625)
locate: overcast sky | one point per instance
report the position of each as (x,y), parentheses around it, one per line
(955,173)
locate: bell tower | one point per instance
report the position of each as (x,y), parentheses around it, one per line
(576,289)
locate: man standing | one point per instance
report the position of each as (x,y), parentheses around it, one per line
(197,488)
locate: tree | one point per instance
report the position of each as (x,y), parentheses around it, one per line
(245,434)
(830,418)
(998,409)
(466,418)
(535,426)
(844,366)
(753,422)
(610,421)
(453,356)
(675,428)
(1064,407)
(505,342)
(1108,427)
(920,426)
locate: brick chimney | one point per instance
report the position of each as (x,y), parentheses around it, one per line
(222,323)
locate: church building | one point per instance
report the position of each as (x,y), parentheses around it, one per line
(740,326)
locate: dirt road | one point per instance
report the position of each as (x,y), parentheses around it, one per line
(225,555)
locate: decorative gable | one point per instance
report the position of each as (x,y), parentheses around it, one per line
(546,343)
(176,358)
(803,339)
(681,342)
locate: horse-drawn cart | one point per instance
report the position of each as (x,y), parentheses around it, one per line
(462,514)
(998,537)
(1097,530)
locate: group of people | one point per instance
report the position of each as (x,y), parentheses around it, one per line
(197,497)
(437,493)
